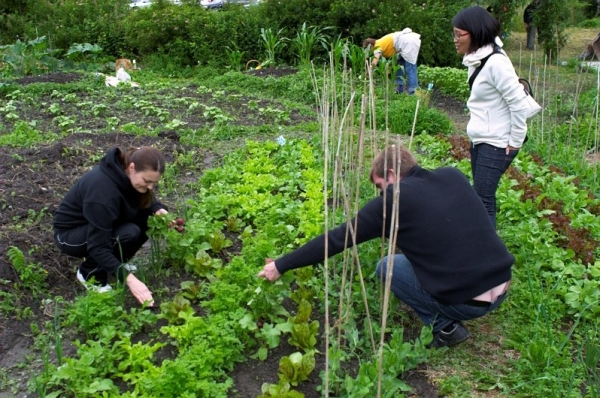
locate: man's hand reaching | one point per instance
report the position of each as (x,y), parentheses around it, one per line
(269,271)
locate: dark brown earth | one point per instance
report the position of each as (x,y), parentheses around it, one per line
(32,183)
(50,78)
(272,72)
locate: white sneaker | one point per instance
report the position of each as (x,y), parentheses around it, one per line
(91,286)
(130,267)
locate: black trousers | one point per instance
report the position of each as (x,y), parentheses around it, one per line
(126,240)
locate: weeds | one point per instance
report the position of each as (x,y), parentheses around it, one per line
(32,277)
(26,134)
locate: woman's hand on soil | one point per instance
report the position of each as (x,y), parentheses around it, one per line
(269,272)
(139,290)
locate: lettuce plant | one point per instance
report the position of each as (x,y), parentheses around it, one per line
(296,368)
(279,390)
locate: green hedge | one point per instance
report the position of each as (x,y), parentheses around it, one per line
(68,22)
(192,35)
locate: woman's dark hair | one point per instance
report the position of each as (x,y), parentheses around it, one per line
(481,25)
(144,158)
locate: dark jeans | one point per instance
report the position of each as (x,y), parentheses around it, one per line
(407,288)
(126,241)
(406,71)
(531,31)
(488,163)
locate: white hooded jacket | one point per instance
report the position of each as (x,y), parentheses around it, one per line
(497,102)
(407,43)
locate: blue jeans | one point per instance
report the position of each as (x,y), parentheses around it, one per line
(406,71)
(407,288)
(488,163)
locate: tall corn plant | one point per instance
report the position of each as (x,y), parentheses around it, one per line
(234,58)
(358,57)
(306,40)
(339,51)
(346,55)
(273,43)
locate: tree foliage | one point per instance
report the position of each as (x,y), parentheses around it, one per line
(506,12)
(552,17)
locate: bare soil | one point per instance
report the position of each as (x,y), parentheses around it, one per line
(32,183)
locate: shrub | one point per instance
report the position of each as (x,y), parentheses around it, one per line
(236,26)
(590,9)
(72,21)
(433,20)
(156,29)
(401,115)
(451,81)
(552,18)
(191,35)
(28,58)
(291,14)
(593,23)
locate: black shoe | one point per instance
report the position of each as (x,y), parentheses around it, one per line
(456,334)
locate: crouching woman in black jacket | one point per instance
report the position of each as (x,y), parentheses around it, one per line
(104,217)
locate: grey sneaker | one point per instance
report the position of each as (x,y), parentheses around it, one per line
(92,286)
(455,336)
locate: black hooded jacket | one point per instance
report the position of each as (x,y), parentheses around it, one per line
(102,199)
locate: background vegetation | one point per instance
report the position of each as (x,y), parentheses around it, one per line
(190,35)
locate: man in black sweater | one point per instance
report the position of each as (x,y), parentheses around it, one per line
(452,267)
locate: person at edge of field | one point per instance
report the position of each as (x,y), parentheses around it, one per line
(453,265)
(104,217)
(406,44)
(497,104)
(529,23)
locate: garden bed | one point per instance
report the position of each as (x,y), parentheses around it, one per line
(32,182)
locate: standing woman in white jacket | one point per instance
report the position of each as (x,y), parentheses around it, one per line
(497,104)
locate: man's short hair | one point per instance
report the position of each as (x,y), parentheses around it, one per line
(392,157)
(368,42)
